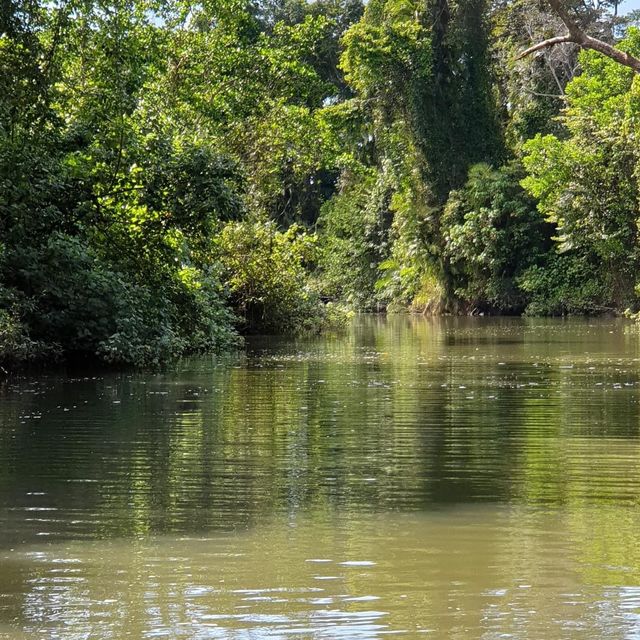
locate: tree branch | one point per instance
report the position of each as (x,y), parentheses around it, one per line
(578,36)
(550,42)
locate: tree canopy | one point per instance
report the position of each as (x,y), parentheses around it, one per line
(175,173)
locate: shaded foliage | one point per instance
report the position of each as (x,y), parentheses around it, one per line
(493,235)
(172,172)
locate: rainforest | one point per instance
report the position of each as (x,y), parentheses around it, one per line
(176,174)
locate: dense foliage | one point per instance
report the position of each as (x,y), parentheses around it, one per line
(174,173)
(132,135)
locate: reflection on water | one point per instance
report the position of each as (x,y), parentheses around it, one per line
(451,478)
(459,573)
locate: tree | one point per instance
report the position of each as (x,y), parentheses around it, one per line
(586,179)
(576,35)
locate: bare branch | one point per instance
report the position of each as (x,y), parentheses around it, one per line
(605,49)
(550,42)
(555,96)
(577,35)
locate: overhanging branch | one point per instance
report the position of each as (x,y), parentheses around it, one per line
(578,36)
(550,42)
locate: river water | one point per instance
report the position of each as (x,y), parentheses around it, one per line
(413,477)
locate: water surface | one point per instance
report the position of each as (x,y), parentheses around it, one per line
(452,478)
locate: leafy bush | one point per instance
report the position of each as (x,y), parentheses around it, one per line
(15,344)
(566,284)
(267,274)
(354,238)
(586,182)
(78,304)
(493,233)
(150,330)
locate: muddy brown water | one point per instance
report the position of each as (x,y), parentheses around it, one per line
(412,477)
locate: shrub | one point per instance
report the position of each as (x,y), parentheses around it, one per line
(267,274)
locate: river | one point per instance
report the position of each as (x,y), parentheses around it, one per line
(451,478)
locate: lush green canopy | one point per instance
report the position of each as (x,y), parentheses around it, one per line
(173,172)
